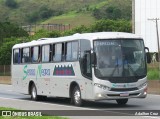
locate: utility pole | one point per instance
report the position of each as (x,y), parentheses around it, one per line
(156,20)
(133,16)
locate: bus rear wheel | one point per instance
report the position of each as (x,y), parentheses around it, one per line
(76,96)
(122,101)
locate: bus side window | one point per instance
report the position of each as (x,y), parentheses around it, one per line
(16,56)
(72,51)
(25,55)
(35,54)
(46,53)
(58,53)
(68,51)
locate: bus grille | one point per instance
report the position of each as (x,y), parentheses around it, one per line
(123,89)
(118,95)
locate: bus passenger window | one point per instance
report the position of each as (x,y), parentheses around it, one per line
(25,55)
(46,53)
(68,51)
(16,56)
(58,52)
(72,51)
(35,53)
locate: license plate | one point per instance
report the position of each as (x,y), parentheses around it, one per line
(124,94)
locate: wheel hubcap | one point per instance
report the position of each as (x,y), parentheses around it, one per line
(77,96)
(34,92)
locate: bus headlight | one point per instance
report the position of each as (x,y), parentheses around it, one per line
(142,85)
(102,86)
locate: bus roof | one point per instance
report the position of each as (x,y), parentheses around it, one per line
(88,36)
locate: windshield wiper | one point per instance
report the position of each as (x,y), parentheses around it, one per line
(116,67)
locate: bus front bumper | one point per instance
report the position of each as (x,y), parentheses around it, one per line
(113,95)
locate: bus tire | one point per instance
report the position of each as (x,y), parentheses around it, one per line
(43,98)
(76,96)
(122,101)
(34,95)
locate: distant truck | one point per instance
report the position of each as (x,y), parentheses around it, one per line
(89,66)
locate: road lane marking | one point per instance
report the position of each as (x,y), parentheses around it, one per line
(9,90)
(152,117)
(42,103)
(60,105)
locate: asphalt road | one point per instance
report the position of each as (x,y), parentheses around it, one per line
(9,98)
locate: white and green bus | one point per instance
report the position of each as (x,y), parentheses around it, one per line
(89,66)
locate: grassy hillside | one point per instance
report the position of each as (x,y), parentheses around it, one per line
(74,12)
(33,8)
(108,9)
(81,16)
(72,18)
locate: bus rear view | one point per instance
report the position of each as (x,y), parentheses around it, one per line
(120,69)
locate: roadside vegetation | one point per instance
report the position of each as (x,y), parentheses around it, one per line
(153,71)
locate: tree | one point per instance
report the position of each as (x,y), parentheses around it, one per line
(97,13)
(45,12)
(8,30)
(42,13)
(115,9)
(11,3)
(112,25)
(113,13)
(6,50)
(8,37)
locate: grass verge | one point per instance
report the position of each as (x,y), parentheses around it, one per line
(30,117)
(153,72)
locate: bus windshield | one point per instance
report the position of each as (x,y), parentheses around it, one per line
(120,58)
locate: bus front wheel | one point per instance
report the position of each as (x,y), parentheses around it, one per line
(122,101)
(76,96)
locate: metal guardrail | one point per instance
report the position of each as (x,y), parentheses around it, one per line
(32,28)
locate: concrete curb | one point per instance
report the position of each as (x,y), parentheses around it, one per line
(5,80)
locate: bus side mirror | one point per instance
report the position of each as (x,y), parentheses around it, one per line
(93,59)
(148,56)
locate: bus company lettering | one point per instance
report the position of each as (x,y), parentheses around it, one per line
(125,85)
(105,43)
(32,72)
(45,72)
